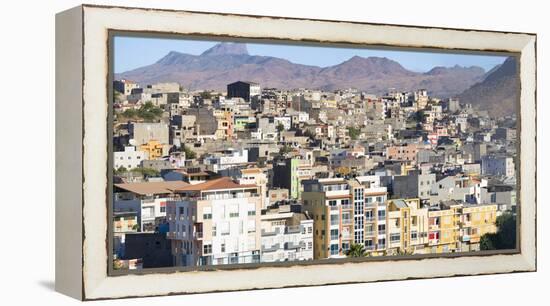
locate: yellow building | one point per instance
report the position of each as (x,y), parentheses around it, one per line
(154,148)
(476,221)
(407,227)
(444,230)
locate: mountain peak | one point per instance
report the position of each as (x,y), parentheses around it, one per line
(226,49)
(438,70)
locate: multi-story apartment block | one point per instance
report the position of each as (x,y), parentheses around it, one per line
(346,212)
(286,235)
(329,203)
(443,226)
(369,213)
(215,222)
(407,226)
(476,221)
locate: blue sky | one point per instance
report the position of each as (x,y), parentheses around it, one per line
(134,52)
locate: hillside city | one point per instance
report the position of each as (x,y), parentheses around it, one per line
(259,175)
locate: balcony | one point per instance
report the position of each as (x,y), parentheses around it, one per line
(369,248)
(272,248)
(347,207)
(293,229)
(198,235)
(275,232)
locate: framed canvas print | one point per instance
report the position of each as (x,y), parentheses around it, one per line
(203,152)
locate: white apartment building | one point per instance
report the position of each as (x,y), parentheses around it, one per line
(286,236)
(129,158)
(227,159)
(215,222)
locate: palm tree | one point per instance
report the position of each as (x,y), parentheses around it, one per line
(356,250)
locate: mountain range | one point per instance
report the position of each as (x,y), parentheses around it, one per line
(498,92)
(228,62)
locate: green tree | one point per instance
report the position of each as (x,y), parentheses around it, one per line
(285,150)
(504,238)
(149,111)
(486,242)
(146,172)
(354,132)
(280,127)
(121,170)
(356,250)
(189,154)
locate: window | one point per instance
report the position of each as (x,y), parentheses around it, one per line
(251,212)
(381,215)
(381,229)
(181,210)
(223,247)
(368,215)
(334,220)
(332,203)
(369,229)
(345,202)
(414,235)
(334,234)
(382,243)
(233,214)
(346,218)
(368,244)
(207,249)
(163,209)
(207,216)
(334,249)
(395,237)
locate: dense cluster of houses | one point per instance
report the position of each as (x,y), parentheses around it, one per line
(252,174)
